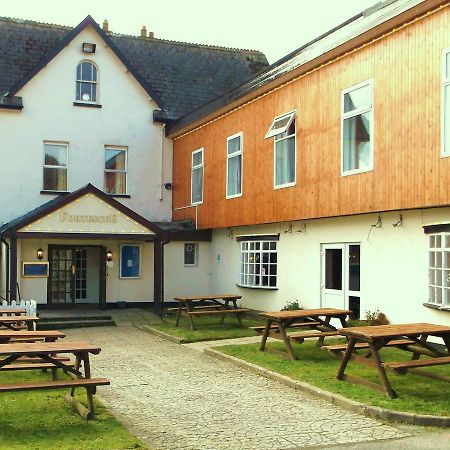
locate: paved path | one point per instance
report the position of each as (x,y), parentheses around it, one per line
(177,398)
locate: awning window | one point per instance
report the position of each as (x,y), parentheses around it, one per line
(280,124)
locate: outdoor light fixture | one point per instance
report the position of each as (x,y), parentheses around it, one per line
(88,47)
(39,254)
(109,256)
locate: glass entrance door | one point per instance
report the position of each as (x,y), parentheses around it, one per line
(62,271)
(341,277)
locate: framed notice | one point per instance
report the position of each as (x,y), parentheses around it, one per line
(35,269)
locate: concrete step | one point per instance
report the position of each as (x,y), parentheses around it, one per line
(74,323)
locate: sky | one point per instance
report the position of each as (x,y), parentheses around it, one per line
(275,28)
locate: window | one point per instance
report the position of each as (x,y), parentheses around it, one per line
(190,254)
(258,264)
(197,177)
(445,151)
(130,261)
(87,79)
(357,129)
(283,131)
(234,165)
(55,166)
(439,270)
(115,170)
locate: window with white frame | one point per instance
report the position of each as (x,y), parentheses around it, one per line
(197,177)
(55,166)
(439,270)
(115,170)
(445,151)
(283,132)
(190,254)
(234,165)
(87,82)
(357,128)
(258,264)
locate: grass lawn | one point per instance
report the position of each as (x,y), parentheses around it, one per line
(209,328)
(416,394)
(43,420)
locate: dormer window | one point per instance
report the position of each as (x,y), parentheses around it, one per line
(87,80)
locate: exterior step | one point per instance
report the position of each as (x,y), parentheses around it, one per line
(74,323)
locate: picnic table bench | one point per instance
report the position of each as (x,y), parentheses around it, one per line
(217,305)
(16,322)
(12,311)
(409,337)
(315,319)
(45,352)
(29,336)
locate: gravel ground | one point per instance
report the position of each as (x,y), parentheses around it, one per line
(176,398)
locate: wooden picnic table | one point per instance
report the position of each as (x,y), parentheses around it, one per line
(45,354)
(25,335)
(12,311)
(12,322)
(316,319)
(210,305)
(409,337)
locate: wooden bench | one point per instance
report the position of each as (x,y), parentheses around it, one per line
(300,337)
(90,384)
(404,366)
(260,329)
(196,307)
(363,345)
(218,311)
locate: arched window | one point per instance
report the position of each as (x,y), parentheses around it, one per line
(87,80)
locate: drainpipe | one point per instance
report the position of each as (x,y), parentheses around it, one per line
(163,243)
(163,128)
(8,252)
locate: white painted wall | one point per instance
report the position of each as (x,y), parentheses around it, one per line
(125,119)
(394,264)
(181,280)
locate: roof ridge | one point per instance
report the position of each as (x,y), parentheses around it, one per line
(129,36)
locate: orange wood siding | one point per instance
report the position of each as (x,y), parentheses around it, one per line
(408,169)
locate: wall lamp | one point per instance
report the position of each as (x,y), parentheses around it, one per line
(88,47)
(109,256)
(39,254)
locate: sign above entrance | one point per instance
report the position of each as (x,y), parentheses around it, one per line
(87,214)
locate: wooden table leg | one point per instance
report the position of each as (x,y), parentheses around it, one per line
(286,340)
(180,305)
(190,308)
(381,372)
(225,305)
(446,340)
(346,358)
(322,338)
(265,335)
(87,374)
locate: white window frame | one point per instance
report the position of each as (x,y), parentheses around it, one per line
(442,250)
(274,131)
(240,152)
(140,261)
(276,139)
(198,166)
(47,166)
(196,250)
(247,251)
(105,170)
(92,82)
(354,113)
(445,152)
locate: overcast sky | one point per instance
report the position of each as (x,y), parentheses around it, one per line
(274,27)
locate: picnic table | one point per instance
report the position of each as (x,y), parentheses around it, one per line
(12,311)
(29,336)
(316,319)
(208,305)
(409,337)
(15,322)
(43,355)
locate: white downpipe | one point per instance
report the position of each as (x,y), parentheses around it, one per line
(162,163)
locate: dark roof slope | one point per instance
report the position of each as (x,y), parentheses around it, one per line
(184,76)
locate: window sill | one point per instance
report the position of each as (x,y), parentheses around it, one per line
(438,307)
(229,197)
(283,186)
(54,192)
(88,105)
(264,288)
(119,195)
(355,172)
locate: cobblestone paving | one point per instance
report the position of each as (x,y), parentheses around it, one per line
(179,399)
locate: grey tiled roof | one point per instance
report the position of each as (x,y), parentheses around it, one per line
(183,75)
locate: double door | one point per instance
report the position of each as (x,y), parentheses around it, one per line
(341,266)
(77,275)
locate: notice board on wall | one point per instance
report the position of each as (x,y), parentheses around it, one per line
(35,269)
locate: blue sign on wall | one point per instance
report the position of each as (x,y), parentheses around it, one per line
(130,261)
